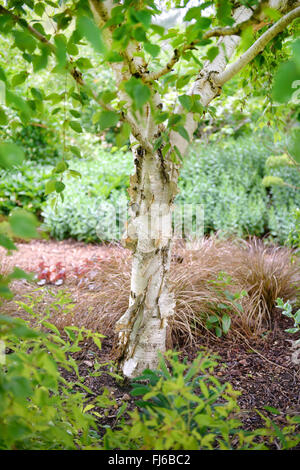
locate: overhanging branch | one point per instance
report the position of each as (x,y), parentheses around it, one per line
(256,48)
(214,32)
(77,75)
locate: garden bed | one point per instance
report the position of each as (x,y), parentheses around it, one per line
(263,366)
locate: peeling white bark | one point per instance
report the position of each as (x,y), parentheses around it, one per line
(142,329)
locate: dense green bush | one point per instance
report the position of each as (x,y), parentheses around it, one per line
(225,178)
(282,216)
(24,187)
(182,407)
(86,211)
(39,143)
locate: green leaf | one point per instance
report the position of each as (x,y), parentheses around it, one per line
(19,78)
(39,8)
(160,30)
(83,63)
(72,48)
(23,223)
(186,101)
(7,242)
(212,53)
(113,56)
(10,155)
(2,75)
(75,126)
(218,331)
(75,151)
(224,12)
(139,391)
(152,49)
(108,119)
(212,319)
(61,50)
(59,186)
(21,105)
(3,118)
(123,136)
(272,410)
(183,132)
(24,41)
(182,81)
(50,187)
(194,13)
(60,167)
(144,17)
(226,322)
(40,60)
(20,274)
(75,173)
(288,73)
(139,92)
(139,34)
(20,387)
(107,96)
(174,119)
(37,94)
(75,113)
(88,28)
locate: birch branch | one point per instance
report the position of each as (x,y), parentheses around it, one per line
(215,32)
(77,75)
(40,37)
(256,48)
(101,13)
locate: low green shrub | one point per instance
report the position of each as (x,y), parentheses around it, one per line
(287,311)
(187,408)
(293,239)
(40,144)
(226,179)
(39,408)
(182,407)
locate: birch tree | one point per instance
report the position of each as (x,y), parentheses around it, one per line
(146,60)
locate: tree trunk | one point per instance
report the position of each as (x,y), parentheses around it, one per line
(142,329)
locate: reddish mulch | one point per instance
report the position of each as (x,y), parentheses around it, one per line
(266,370)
